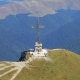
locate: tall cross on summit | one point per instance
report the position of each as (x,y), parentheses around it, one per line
(38,26)
(38,44)
(38,51)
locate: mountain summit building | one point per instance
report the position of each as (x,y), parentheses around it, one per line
(38,51)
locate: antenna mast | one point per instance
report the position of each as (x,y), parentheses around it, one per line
(38,30)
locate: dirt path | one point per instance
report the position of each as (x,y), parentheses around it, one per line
(3,68)
(8,72)
(19,66)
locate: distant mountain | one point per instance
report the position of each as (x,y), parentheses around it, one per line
(59,65)
(16,33)
(38,8)
(35,8)
(67,36)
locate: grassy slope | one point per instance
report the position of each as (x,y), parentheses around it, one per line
(65,66)
(8,76)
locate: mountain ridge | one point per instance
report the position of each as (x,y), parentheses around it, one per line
(64,64)
(65,35)
(17,35)
(38,8)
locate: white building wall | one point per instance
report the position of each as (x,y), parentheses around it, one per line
(43,53)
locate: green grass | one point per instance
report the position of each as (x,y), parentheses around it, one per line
(8,76)
(5,70)
(65,66)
